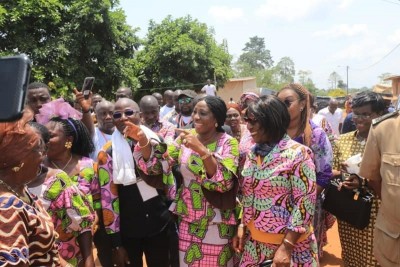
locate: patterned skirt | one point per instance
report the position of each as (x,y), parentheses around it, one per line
(357,245)
(209,246)
(305,253)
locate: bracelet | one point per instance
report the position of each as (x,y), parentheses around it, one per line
(207,155)
(116,248)
(286,241)
(148,141)
(240,231)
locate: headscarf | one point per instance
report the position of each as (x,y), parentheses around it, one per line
(234,106)
(246,96)
(17,139)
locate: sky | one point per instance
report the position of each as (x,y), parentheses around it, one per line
(321,36)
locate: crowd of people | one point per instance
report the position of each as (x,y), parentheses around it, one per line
(182,178)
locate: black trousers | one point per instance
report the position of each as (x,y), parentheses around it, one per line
(103,245)
(155,249)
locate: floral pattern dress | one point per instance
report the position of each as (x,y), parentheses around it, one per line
(279,194)
(70,212)
(205,232)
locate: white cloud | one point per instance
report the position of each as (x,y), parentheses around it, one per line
(394,37)
(225,13)
(295,9)
(343,30)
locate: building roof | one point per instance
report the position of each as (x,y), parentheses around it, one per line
(392,77)
(241,79)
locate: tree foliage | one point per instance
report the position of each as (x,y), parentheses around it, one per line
(255,55)
(285,70)
(70,39)
(181,52)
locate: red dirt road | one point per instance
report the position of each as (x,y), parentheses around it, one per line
(332,251)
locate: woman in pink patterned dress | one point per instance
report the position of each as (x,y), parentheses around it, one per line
(208,158)
(279,192)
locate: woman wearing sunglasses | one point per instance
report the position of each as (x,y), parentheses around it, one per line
(303,130)
(279,192)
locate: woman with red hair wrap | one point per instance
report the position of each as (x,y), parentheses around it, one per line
(27,236)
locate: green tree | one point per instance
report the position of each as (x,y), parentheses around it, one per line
(341,84)
(180,53)
(383,76)
(285,70)
(70,39)
(334,77)
(255,55)
(336,92)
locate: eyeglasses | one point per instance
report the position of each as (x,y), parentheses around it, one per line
(250,120)
(128,112)
(361,117)
(288,102)
(231,116)
(186,100)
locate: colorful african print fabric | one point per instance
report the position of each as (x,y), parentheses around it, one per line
(27,233)
(323,157)
(87,181)
(279,194)
(205,232)
(70,212)
(357,245)
(164,129)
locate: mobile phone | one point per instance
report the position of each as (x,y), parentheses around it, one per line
(345,176)
(87,86)
(14,79)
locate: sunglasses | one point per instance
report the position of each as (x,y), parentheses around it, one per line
(288,102)
(129,112)
(250,120)
(186,100)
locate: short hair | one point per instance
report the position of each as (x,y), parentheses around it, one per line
(217,107)
(272,115)
(369,98)
(82,144)
(43,131)
(37,85)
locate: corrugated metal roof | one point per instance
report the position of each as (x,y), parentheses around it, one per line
(241,79)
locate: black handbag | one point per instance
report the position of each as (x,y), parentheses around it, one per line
(351,206)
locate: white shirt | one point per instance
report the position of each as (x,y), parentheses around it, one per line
(164,110)
(209,89)
(99,140)
(333,119)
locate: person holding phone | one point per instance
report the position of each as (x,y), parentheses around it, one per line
(208,158)
(357,244)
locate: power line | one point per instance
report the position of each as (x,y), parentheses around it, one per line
(385,56)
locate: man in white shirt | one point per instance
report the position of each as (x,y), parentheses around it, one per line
(169,103)
(105,126)
(209,88)
(333,115)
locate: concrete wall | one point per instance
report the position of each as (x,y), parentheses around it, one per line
(235,88)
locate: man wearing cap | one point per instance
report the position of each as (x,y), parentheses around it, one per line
(185,102)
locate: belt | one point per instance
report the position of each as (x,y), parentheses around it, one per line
(273,238)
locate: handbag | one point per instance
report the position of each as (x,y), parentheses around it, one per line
(351,206)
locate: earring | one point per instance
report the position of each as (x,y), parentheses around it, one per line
(17,168)
(216,125)
(68,144)
(301,109)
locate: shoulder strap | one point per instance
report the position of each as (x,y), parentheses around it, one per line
(384,117)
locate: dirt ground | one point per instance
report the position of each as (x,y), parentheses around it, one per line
(332,251)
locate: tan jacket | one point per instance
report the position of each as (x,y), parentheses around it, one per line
(381,163)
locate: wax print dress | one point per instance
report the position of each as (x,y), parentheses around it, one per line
(205,232)
(88,182)
(27,233)
(279,194)
(70,212)
(357,245)
(323,158)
